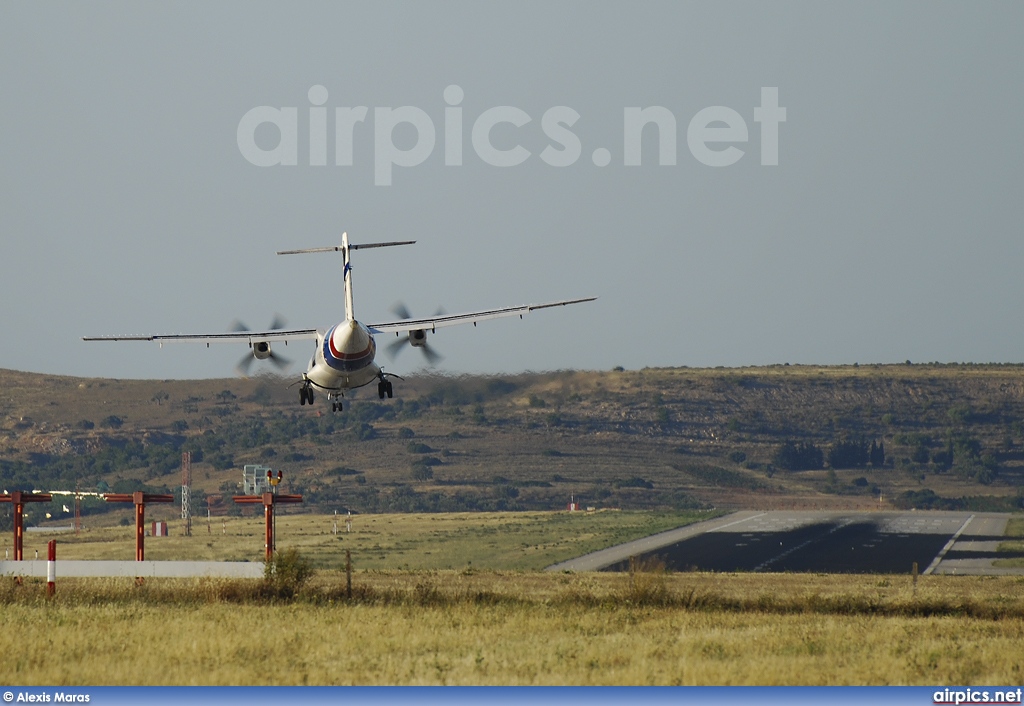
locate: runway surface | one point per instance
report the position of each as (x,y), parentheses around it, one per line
(820,542)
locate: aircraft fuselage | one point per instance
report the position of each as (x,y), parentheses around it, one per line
(344,358)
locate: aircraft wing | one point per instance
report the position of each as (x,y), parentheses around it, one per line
(233,337)
(442,320)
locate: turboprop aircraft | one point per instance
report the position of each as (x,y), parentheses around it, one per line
(344,357)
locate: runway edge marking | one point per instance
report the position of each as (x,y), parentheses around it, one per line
(949,545)
(595,561)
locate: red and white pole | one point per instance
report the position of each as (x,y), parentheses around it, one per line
(19,525)
(51,567)
(268,511)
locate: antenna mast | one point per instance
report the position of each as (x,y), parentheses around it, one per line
(186,491)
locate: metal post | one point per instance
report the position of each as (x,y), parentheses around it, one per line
(140,499)
(274,482)
(140,526)
(51,567)
(17,499)
(268,500)
(19,524)
(268,509)
(186,491)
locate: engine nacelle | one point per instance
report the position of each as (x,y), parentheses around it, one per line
(418,338)
(261,350)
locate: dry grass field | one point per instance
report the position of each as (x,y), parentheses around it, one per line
(452,617)
(475,627)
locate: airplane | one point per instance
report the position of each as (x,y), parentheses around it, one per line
(344,358)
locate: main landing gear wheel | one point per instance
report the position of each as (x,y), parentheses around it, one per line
(384,388)
(306,394)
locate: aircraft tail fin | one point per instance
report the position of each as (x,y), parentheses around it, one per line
(345,248)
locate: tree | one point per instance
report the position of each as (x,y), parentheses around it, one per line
(798,457)
(920,453)
(967,460)
(849,453)
(877,454)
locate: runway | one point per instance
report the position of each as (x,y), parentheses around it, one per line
(820,542)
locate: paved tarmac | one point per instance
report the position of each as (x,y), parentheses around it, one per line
(820,542)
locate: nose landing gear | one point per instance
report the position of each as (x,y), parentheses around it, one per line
(335,398)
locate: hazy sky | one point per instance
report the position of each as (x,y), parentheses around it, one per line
(891,227)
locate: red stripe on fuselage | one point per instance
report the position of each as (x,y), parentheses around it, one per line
(349,361)
(351,356)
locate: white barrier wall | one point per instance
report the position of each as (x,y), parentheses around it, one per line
(165,569)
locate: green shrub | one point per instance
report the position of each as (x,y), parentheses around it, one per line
(286,573)
(112,422)
(421,471)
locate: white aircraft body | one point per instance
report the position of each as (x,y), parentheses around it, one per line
(345,354)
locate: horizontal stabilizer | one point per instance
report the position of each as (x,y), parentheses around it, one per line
(339,248)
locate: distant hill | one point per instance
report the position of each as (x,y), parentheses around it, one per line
(868,437)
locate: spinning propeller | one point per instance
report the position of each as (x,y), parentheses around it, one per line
(416,339)
(260,349)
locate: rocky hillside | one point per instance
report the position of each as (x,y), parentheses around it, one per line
(781,436)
